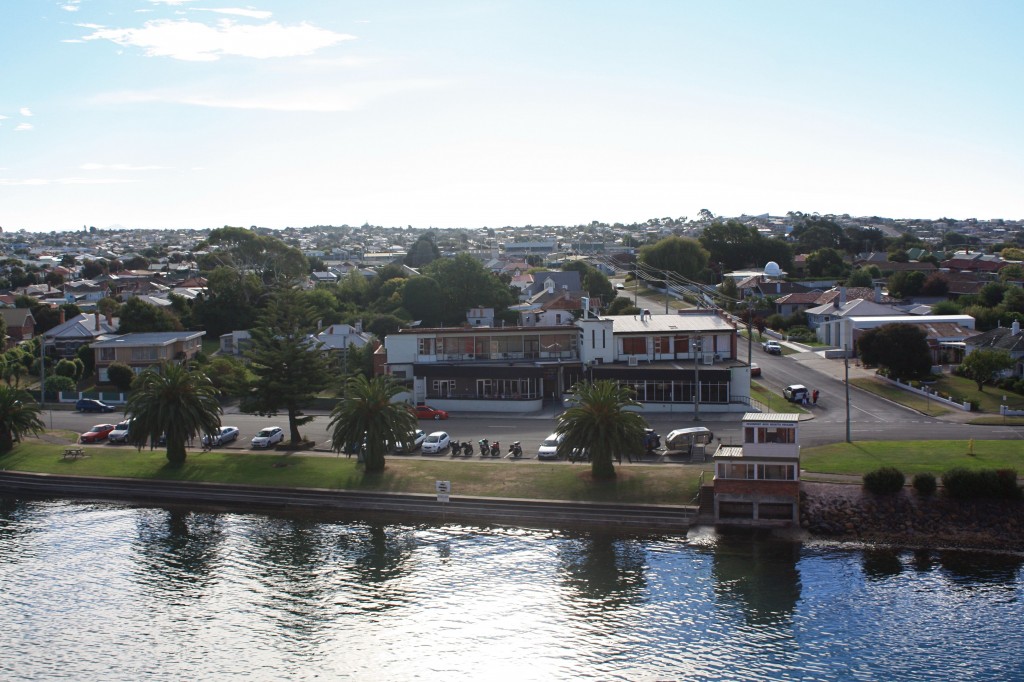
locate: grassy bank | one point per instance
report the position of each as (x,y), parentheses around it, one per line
(914,401)
(911,457)
(773,401)
(642,484)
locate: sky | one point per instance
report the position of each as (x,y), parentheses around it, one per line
(473,113)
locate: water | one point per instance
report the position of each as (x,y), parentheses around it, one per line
(96,591)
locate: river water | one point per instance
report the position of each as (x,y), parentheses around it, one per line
(101,591)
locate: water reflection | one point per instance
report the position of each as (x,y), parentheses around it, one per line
(969,569)
(881,563)
(180,546)
(606,570)
(759,576)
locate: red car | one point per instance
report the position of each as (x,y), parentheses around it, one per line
(428,412)
(97,433)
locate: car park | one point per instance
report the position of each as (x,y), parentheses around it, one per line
(771,347)
(683,440)
(267,437)
(414,442)
(91,405)
(97,434)
(428,412)
(224,435)
(120,432)
(549,448)
(794,393)
(436,443)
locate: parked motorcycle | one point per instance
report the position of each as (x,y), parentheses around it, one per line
(495,449)
(515,451)
(467,449)
(457,448)
(485,447)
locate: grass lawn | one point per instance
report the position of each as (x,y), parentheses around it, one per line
(912,457)
(655,295)
(773,401)
(898,395)
(645,484)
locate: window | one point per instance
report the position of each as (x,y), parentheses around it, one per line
(736,470)
(425,346)
(107,355)
(662,344)
(634,346)
(682,344)
(150,353)
(777,472)
(443,388)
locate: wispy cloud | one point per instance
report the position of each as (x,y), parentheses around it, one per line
(25,111)
(321,100)
(238,12)
(194,41)
(35,182)
(118,166)
(70,6)
(24,126)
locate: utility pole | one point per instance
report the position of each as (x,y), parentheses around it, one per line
(846,365)
(42,370)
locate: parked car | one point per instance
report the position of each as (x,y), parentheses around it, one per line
(120,432)
(97,433)
(755,369)
(415,442)
(428,412)
(91,405)
(225,435)
(683,440)
(549,448)
(436,443)
(794,393)
(620,286)
(772,347)
(267,437)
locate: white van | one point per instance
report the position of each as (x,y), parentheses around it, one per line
(683,440)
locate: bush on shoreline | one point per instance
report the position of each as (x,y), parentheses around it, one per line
(966,484)
(884,481)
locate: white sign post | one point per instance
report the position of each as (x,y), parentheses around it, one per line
(443,488)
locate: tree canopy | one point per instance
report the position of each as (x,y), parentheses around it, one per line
(367,414)
(601,422)
(901,349)
(19,417)
(680,255)
(466,284)
(982,365)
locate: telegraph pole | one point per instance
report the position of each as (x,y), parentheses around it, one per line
(697,346)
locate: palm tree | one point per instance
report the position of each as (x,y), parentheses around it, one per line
(600,424)
(367,414)
(173,402)
(19,416)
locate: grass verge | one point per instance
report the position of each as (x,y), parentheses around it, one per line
(901,397)
(637,484)
(911,457)
(773,401)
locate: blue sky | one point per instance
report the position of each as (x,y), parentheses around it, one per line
(194,114)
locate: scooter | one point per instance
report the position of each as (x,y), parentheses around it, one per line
(515,451)
(485,447)
(495,449)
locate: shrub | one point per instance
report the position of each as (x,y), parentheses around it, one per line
(56,384)
(120,375)
(965,484)
(924,483)
(884,481)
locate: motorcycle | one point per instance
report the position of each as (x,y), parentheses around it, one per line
(467,449)
(495,449)
(457,448)
(485,447)
(515,451)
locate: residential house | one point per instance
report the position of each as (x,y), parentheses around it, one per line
(1008,339)
(235,343)
(146,349)
(68,336)
(336,339)
(674,363)
(21,326)
(758,483)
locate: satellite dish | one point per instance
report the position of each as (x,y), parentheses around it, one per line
(772,269)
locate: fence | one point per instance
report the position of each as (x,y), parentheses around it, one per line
(928,393)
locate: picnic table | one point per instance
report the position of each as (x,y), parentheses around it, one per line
(74,452)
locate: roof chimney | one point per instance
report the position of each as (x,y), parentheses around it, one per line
(842,296)
(110,319)
(97,316)
(62,320)
(1015,328)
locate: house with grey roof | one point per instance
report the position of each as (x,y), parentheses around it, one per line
(143,350)
(1008,339)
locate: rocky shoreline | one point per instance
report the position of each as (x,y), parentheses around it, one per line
(848,513)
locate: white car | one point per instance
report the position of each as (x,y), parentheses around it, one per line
(414,442)
(225,434)
(436,443)
(120,432)
(549,448)
(268,436)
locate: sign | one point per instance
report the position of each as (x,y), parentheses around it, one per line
(443,489)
